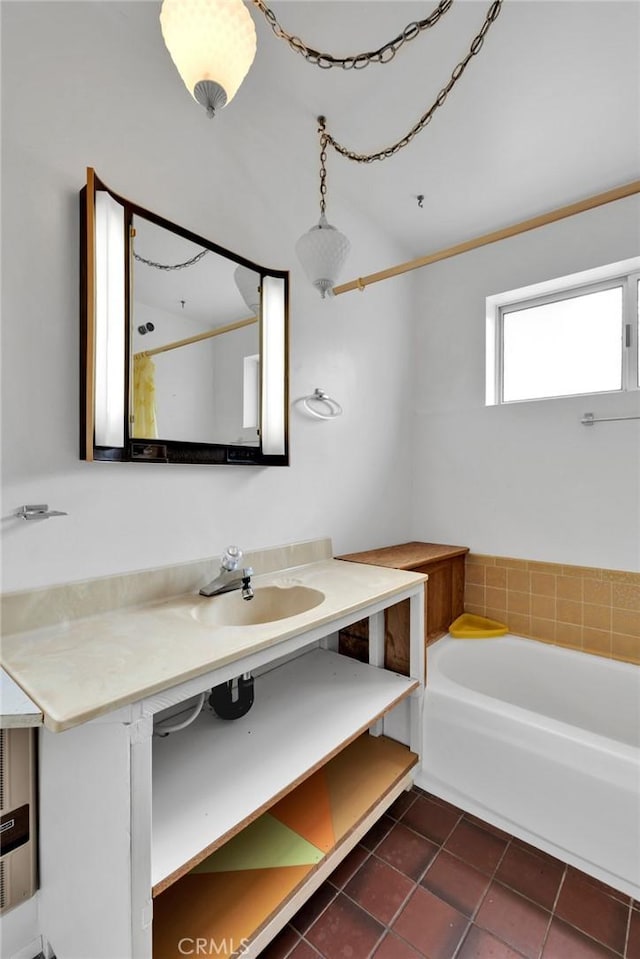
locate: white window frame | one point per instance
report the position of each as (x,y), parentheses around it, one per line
(625,273)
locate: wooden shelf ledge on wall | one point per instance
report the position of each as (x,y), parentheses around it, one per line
(444,599)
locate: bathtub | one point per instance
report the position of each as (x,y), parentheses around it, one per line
(543,742)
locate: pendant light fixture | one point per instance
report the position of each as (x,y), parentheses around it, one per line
(324,249)
(212,44)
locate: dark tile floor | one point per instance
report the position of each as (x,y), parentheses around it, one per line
(431,881)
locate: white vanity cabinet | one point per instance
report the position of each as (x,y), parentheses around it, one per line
(125,815)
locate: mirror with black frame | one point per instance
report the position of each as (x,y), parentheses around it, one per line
(184,344)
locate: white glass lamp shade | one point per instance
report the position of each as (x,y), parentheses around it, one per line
(323,252)
(248,283)
(212,44)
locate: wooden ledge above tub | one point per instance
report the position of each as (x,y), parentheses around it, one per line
(444,598)
(407,555)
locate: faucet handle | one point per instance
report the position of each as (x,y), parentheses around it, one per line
(231,558)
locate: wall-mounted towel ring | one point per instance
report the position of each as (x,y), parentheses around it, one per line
(325,408)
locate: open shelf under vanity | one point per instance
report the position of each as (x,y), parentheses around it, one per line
(250,816)
(244,893)
(215,777)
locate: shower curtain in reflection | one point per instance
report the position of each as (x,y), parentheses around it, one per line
(144,397)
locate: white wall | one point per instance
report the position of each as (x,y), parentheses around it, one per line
(20,936)
(524,480)
(79,90)
(229,352)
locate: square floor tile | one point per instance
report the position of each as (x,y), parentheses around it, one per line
(349,865)
(592,910)
(312,908)
(434,927)
(405,850)
(633,942)
(344,929)
(434,798)
(392,947)
(281,946)
(430,819)
(480,944)
(534,876)
(489,827)
(302,951)
(377,832)
(476,846)
(379,889)
(517,921)
(602,886)
(401,804)
(456,882)
(565,942)
(535,851)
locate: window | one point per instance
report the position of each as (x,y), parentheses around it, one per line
(569,336)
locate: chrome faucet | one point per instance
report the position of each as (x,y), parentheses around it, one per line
(230,576)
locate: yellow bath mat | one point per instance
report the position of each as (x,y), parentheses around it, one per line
(469,626)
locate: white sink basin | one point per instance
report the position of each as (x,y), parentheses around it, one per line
(269,604)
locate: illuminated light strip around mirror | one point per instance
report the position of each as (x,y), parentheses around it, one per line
(88,315)
(251,391)
(109,325)
(273,366)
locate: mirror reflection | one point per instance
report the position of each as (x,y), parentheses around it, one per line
(194,342)
(184,345)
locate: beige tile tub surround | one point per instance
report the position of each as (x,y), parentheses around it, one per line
(581,607)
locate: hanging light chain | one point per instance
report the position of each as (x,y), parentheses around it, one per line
(426,118)
(358,61)
(170,266)
(323,163)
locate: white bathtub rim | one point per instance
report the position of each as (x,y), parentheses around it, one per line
(602,760)
(527,717)
(562,652)
(440,682)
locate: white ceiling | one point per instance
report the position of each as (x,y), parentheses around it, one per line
(547,113)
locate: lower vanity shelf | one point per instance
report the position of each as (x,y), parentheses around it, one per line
(244,893)
(212,779)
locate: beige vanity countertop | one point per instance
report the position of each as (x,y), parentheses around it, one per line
(86,667)
(16,709)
